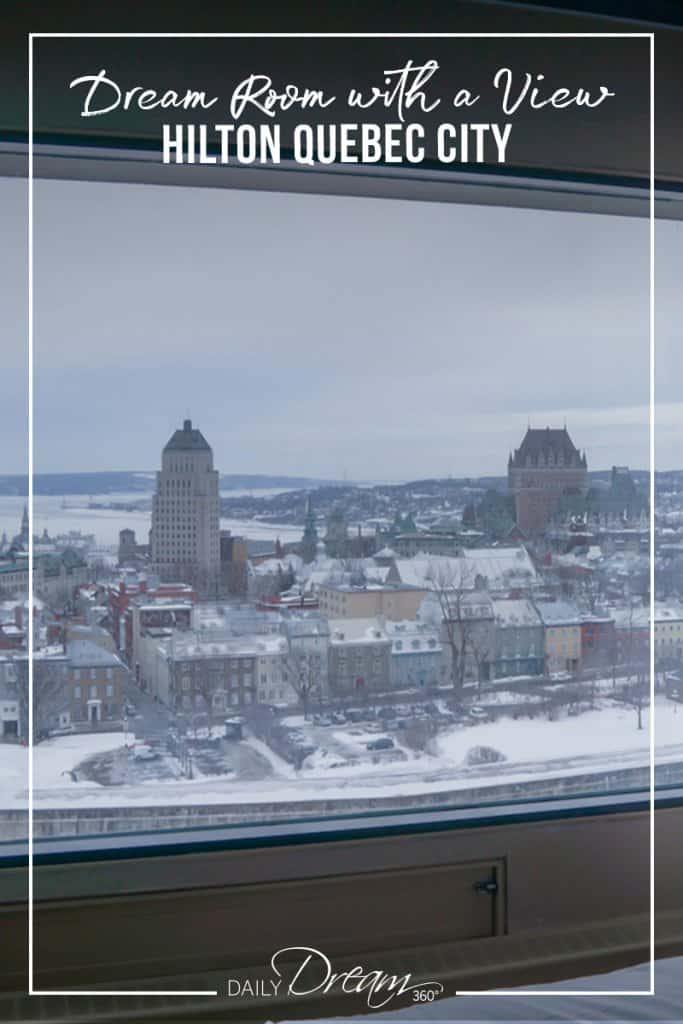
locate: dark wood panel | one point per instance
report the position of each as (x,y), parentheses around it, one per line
(244,925)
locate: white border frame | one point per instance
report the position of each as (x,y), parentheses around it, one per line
(338,35)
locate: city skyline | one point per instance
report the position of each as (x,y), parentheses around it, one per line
(264,343)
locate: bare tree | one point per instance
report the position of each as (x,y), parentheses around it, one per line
(206,679)
(450,582)
(633,646)
(614,656)
(418,734)
(479,638)
(636,696)
(590,590)
(301,672)
(50,693)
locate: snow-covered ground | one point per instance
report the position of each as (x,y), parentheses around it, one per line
(605,731)
(533,749)
(51,760)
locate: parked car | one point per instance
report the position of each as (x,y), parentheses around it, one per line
(143,752)
(355,715)
(381,743)
(480,714)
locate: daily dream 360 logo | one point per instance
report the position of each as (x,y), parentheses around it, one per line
(304,971)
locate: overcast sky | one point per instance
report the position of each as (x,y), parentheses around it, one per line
(328,336)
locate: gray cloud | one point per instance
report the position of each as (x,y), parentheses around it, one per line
(311,334)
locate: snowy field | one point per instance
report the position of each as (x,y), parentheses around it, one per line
(531,750)
(609,730)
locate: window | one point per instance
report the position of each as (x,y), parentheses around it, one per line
(527,260)
(77,692)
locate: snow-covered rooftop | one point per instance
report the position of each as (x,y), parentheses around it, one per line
(515,612)
(357,631)
(500,568)
(559,613)
(86,654)
(193,645)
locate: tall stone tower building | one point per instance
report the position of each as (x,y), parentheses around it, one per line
(544,467)
(185,512)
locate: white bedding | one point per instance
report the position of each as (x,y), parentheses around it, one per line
(665,1005)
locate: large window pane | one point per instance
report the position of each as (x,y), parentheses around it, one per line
(340,503)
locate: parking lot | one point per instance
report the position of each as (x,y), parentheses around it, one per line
(367,735)
(268,741)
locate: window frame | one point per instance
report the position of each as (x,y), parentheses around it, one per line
(563,193)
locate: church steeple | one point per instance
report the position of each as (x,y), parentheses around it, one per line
(24,524)
(309,541)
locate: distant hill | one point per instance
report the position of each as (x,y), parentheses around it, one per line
(126,481)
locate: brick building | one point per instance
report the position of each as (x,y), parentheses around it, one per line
(545,467)
(598,641)
(95,683)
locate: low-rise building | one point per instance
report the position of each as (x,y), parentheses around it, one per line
(465,623)
(14,575)
(275,684)
(10,719)
(56,575)
(416,655)
(308,636)
(519,640)
(213,672)
(77,685)
(668,632)
(152,613)
(359,657)
(127,589)
(51,706)
(96,681)
(395,601)
(498,570)
(631,641)
(632,633)
(92,633)
(562,632)
(272,575)
(598,641)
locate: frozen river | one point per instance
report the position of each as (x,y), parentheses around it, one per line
(59,514)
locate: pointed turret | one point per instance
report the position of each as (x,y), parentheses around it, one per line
(309,540)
